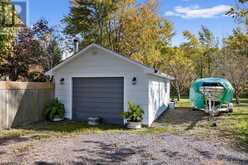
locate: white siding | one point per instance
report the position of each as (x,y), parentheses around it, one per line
(102,64)
(159,96)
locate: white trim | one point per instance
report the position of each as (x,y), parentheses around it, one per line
(125,102)
(51,72)
(162,75)
(7,108)
(70,96)
(146,69)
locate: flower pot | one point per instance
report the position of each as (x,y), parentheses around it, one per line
(134,125)
(93,121)
(172,105)
(57,119)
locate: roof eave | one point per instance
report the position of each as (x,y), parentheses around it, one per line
(49,73)
(146,69)
(162,75)
(69,59)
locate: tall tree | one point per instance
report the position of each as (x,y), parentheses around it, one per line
(26,51)
(209,45)
(238,41)
(52,54)
(90,19)
(145,33)
(240,12)
(7,34)
(35,47)
(193,50)
(180,66)
(234,67)
(136,31)
(233,62)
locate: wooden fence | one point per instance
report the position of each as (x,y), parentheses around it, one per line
(22,103)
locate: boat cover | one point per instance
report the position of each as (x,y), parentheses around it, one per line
(197,97)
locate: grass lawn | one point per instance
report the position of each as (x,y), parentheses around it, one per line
(60,129)
(231,128)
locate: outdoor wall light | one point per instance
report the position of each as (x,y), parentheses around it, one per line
(134,81)
(62,81)
(156,70)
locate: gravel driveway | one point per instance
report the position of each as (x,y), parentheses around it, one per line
(124,148)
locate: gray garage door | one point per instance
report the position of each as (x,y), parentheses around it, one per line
(102,97)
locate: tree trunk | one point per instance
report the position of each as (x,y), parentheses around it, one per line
(178,92)
(14,78)
(237,96)
(209,66)
(201,67)
(13,75)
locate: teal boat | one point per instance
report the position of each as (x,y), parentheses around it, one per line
(211,93)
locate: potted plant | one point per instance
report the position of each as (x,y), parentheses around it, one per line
(134,116)
(55,111)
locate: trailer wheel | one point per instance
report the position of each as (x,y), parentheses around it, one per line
(214,124)
(194,109)
(230,110)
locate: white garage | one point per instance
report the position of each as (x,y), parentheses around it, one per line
(100,82)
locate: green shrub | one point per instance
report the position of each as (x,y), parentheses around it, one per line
(135,113)
(54,109)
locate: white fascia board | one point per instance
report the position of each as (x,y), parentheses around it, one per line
(162,75)
(51,72)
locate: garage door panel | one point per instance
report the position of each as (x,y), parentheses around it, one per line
(98,82)
(83,93)
(98,105)
(100,85)
(99,96)
(102,97)
(99,90)
(99,100)
(102,79)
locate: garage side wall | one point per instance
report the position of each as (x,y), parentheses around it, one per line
(98,63)
(159,97)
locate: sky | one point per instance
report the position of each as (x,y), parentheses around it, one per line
(184,14)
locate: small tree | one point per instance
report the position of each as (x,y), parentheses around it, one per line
(234,67)
(52,54)
(26,51)
(178,65)
(234,61)
(240,12)
(7,34)
(32,47)
(209,48)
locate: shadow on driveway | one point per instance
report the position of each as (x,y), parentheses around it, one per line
(181,116)
(108,153)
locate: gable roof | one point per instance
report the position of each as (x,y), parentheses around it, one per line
(147,69)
